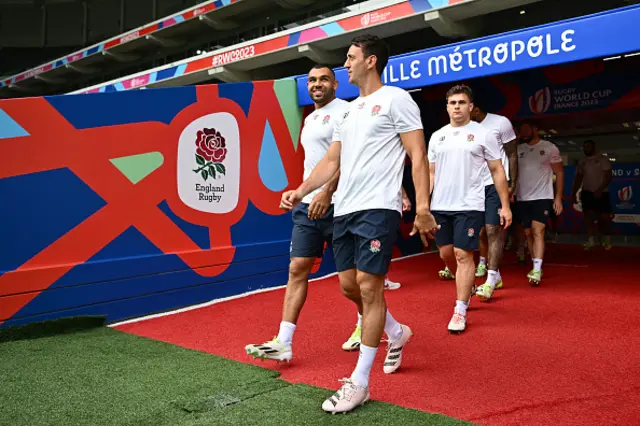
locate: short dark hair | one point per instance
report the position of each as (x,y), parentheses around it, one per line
(589,141)
(372,45)
(460,89)
(321,66)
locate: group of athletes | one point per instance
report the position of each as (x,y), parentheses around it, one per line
(352,196)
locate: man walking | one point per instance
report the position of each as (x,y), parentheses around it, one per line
(538,161)
(380,127)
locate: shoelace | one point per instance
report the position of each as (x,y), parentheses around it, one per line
(348,389)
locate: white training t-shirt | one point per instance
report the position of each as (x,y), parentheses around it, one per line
(593,171)
(372,157)
(317,135)
(460,155)
(535,175)
(504,133)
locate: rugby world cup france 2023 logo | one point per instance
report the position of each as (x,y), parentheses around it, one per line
(541,101)
(209,163)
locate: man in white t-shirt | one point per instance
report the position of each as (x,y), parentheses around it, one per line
(594,174)
(538,161)
(381,126)
(313,217)
(458,153)
(492,235)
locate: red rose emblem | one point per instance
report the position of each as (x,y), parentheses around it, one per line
(211,150)
(211,145)
(375,244)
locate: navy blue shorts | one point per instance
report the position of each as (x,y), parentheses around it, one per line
(364,240)
(462,229)
(308,236)
(492,205)
(538,210)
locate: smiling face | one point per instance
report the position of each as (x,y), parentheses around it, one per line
(322,86)
(459,107)
(357,65)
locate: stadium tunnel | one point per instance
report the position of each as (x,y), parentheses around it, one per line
(575,79)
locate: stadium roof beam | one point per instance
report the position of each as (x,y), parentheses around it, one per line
(121,57)
(218,24)
(164,42)
(293,4)
(447,27)
(50,80)
(229,75)
(319,55)
(82,69)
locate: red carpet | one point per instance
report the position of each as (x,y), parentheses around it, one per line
(565,353)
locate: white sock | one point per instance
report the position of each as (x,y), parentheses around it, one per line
(483,260)
(537,264)
(363,368)
(492,278)
(461,307)
(359,320)
(392,327)
(285,336)
(591,240)
(498,276)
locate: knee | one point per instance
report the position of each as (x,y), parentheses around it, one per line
(350,290)
(371,290)
(299,268)
(349,286)
(463,257)
(446,252)
(492,231)
(538,232)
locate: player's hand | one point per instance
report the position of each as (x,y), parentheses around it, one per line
(290,199)
(512,194)
(557,206)
(426,225)
(506,217)
(319,205)
(406,204)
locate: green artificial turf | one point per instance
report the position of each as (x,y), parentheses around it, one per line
(88,375)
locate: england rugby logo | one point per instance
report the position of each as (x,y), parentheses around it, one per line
(541,101)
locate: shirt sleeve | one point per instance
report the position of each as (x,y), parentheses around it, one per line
(405,113)
(507,134)
(337,137)
(492,147)
(555,155)
(431,151)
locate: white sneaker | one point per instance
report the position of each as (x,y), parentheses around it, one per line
(458,323)
(273,350)
(353,343)
(348,397)
(394,351)
(390,285)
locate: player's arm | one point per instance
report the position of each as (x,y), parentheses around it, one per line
(324,171)
(413,142)
(510,146)
(608,177)
(511,149)
(577,183)
(328,169)
(500,181)
(558,170)
(494,161)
